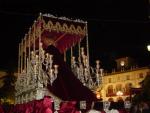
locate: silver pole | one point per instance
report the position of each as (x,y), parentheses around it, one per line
(79,49)
(21,55)
(19,60)
(40,18)
(29,42)
(25,52)
(87,45)
(34,37)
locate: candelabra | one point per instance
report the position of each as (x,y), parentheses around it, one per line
(89,76)
(31,84)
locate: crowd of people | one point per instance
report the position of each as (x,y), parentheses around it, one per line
(119,107)
(46,105)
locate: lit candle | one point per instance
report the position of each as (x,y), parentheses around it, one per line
(82,51)
(51,56)
(41,44)
(97,64)
(56,69)
(47,55)
(51,72)
(73,58)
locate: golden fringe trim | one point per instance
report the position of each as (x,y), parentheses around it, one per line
(50,26)
(36,30)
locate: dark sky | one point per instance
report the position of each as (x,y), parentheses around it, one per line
(116,28)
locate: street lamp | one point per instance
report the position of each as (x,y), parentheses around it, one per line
(148,48)
(119,93)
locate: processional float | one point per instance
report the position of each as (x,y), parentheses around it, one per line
(68,34)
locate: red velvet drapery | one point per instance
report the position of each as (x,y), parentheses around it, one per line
(67,86)
(36,106)
(63,41)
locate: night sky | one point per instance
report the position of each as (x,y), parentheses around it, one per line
(116,28)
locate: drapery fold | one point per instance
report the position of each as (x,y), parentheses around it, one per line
(63,41)
(36,106)
(66,86)
(1,109)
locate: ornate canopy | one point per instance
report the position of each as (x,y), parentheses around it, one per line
(65,32)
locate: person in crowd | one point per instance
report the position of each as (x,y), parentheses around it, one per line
(121,107)
(113,108)
(133,108)
(144,108)
(97,107)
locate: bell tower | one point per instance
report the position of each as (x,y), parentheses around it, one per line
(124,63)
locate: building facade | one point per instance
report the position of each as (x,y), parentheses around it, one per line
(117,85)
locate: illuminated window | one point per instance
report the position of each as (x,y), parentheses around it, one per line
(127,77)
(110,89)
(127,87)
(148,73)
(141,75)
(118,78)
(109,80)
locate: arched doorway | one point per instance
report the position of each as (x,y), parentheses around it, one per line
(127,88)
(119,87)
(109,90)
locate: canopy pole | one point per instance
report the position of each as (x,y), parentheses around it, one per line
(65,55)
(19,60)
(21,55)
(87,45)
(71,52)
(29,39)
(25,52)
(34,34)
(79,49)
(39,59)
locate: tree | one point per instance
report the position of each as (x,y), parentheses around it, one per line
(145,93)
(8,89)
(146,88)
